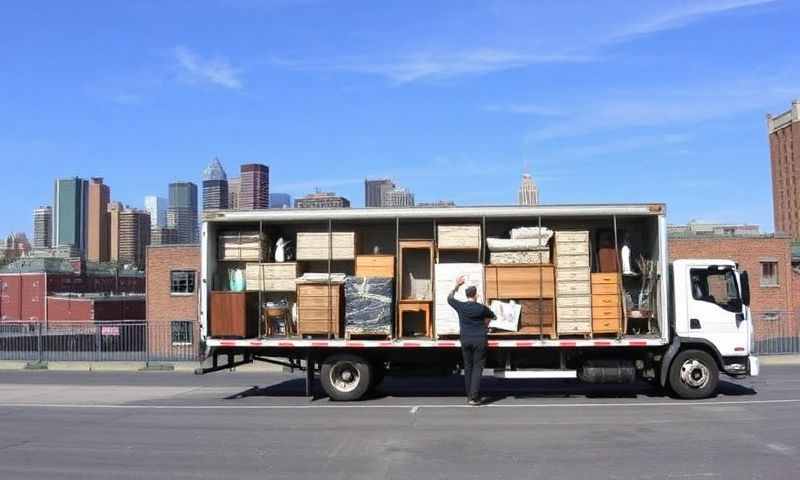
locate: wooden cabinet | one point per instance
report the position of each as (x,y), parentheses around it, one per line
(319,307)
(271,277)
(606,306)
(416,270)
(233,315)
(414,318)
(519,282)
(380,266)
(321,246)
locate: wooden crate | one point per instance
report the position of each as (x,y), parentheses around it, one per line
(317,245)
(233,315)
(319,309)
(459,237)
(240,246)
(381,266)
(271,277)
(519,281)
(564,236)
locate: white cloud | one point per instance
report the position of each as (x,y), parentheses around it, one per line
(688,12)
(215,71)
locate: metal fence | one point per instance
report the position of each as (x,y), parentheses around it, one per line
(135,341)
(776,332)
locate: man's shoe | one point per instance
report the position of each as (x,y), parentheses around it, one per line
(474,403)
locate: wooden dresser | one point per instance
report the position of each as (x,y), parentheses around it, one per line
(319,309)
(533,286)
(380,266)
(233,315)
(573,283)
(606,309)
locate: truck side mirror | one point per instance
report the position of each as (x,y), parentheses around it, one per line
(745,279)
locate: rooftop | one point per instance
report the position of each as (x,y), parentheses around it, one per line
(65,265)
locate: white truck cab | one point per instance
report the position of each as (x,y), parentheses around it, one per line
(711,321)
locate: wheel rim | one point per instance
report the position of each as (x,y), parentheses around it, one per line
(344,377)
(694,373)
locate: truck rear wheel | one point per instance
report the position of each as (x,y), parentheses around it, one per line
(694,374)
(345,377)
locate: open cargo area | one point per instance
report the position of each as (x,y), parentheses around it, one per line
(381,277)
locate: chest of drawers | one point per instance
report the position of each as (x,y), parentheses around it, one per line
(573,283)
(606,308)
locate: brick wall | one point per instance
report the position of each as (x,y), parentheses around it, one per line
(749,252)
(164,307)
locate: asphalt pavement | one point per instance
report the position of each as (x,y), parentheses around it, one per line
(99,425)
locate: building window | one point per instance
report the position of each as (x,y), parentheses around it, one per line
(181,332)
(182,281)
(771,316)
(769,274)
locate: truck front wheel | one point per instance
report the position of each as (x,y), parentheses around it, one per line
(345,377)
(694,374)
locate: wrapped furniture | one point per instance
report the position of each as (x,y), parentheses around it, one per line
(368,306)
(527,245)
(446,321)
(271,277)
(322,246)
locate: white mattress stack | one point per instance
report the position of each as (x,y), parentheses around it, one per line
(527,245)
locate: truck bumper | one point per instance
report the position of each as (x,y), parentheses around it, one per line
(753,366)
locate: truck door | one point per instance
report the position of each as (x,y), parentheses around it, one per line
(716,311)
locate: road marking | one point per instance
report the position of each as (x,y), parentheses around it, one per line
(414,410)
(781,448)
(404,406)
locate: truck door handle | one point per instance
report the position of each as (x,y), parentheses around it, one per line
(694,324)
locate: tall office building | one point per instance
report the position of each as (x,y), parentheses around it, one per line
(280,200)
(528,191)
(215,186)
(69,213)
(374,191)
(163,236)
(130,234)
(321,200)
(784,152)
(398,197)
(254,187)
(234,185)
(157,208)
(182,211)
(97,222)
(42,227)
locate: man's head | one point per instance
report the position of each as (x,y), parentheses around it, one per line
(471,292)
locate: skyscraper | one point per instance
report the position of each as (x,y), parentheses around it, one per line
(69,213)
(157,208)
(254,187)
(130,234)
(398,197)
(42,227)
(528,191)
(97,221)
(784,152)
(182,211)
(215,186)
(321,200)
(234,185)
(280,200)
(374,191)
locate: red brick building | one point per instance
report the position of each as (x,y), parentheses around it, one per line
(784,152)
(27,284)
(774,283)
(94,307)
(173,276)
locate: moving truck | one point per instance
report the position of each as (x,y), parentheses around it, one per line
(584,291)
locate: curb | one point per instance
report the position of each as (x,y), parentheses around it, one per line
(780,359)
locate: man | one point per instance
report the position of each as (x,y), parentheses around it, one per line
(473,320)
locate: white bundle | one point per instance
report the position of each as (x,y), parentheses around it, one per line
(542,233)
(515,245)
(321,278)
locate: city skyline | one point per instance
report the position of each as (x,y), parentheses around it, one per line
(650,100)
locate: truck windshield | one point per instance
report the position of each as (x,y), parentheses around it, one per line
(716,286)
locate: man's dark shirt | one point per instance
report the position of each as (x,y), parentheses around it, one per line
(471,318)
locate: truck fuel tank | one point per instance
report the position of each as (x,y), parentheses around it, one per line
(607,371)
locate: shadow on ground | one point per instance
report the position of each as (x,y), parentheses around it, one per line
(493,389)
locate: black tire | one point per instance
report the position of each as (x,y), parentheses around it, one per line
(694,374)
(345,377)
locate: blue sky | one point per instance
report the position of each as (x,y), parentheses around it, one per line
(604,101)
